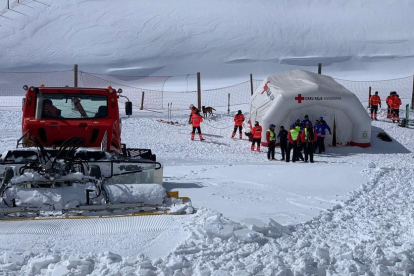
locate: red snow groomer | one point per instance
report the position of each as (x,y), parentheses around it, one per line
(72,136)
(52,115)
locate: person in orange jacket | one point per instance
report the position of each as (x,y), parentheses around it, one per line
(257,136)
(196,121)
(308,137)
(374,102)
(395,106)
(238,124)
(388,101)
(192,112)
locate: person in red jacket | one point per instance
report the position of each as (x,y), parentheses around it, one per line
(192,112)
(308,137)
(257,136)
(374,102)
(395,106)
(388,101)
(196,121)
(49,110)
(238,124)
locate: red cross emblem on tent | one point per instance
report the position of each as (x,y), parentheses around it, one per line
(265,87)
(299,98)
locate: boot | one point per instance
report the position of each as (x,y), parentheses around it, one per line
(201,137)
(192,136)
(233,134)
(252,147)
(258,148)
(241,136)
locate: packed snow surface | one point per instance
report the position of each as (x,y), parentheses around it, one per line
(349,213)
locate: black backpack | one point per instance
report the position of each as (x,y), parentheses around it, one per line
(311,135)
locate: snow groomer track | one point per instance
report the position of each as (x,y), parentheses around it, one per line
(149,235)
(92,226)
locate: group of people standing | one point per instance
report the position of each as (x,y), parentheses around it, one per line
(393,106)
(302,136)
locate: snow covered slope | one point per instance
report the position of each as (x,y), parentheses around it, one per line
(367,231)
(221,39)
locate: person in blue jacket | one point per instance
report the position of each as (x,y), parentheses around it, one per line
(323,127)
(317,127)
(306,121)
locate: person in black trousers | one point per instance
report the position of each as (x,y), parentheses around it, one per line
(283,137)
(271,142)
(309,136)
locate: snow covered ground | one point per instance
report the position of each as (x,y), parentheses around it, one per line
(349,213)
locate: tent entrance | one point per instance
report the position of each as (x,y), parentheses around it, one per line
(337,118)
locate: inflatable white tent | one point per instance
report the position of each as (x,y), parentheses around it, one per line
(283,98)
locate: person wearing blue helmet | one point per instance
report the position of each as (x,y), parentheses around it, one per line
(306,121)
(271,142)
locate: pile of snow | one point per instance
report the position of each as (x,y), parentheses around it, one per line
(367,232)
(366,236)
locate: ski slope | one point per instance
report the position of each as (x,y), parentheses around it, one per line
(349,212)
(225,40)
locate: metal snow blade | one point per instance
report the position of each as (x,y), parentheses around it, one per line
(88,212)
(16,209)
